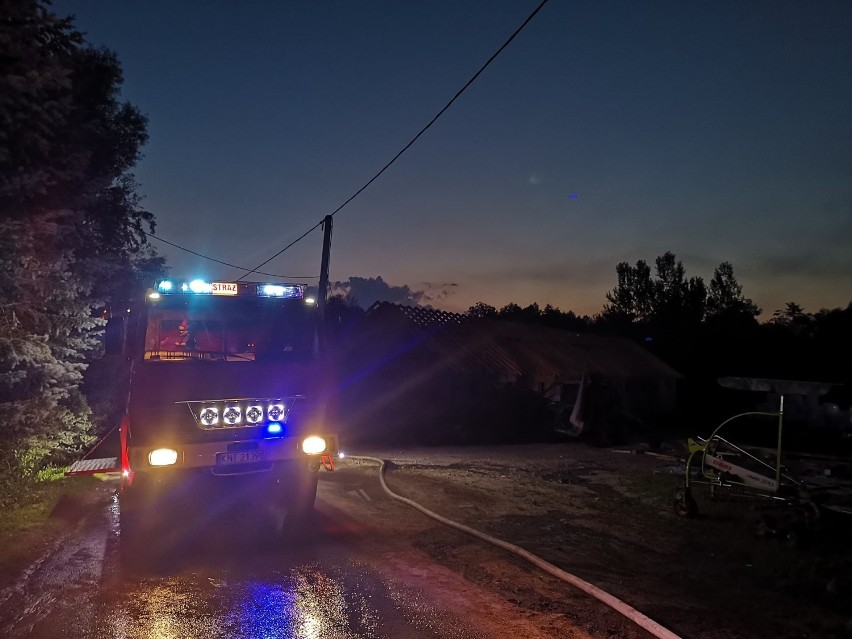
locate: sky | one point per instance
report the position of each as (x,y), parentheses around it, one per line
(608,131)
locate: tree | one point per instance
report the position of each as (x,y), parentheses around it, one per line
(72,233)
(552,317)
(667,303)
(632,300)
(481,310)
(679,303)
(792,318)
(527,315)
(725,299)
(341,313)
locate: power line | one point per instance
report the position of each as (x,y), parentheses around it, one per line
(447,106)
(242,268)
(376,176)
(416,137)
(298,239)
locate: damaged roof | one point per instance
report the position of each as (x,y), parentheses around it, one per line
(508,350)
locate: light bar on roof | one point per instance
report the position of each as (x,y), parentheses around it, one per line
(279,290)
(203,287)
(200,286)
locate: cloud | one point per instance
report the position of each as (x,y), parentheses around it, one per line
(818,265)
(368,290)
(437,292)
(552,271)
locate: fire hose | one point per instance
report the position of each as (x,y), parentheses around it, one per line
(613,602)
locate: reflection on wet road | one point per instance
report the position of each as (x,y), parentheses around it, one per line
(310,602)
(319,586)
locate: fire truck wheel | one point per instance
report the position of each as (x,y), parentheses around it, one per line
(302,505)
(131,537)
(294,519)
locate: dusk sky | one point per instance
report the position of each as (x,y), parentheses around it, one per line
(606,132)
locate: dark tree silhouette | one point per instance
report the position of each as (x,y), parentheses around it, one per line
(71,228)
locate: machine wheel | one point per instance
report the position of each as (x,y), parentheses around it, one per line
(684,504)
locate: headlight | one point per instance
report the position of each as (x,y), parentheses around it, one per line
(313,445)
(162,457)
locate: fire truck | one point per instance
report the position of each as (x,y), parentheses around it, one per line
(228,405)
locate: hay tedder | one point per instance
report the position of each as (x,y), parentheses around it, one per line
(725,468)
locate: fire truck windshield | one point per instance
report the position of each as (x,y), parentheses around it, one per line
(232,329)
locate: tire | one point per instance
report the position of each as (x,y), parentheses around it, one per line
(131,533)
(291,512)
(302,507)
(684,504)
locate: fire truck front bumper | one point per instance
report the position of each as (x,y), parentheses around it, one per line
(230,458)
(222,476)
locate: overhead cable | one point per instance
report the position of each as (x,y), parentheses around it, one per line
(213,259)
(377,175)
(416,137)
(298,239)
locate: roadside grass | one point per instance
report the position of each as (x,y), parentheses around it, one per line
(27,528)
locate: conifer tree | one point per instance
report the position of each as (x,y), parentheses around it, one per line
(72,233)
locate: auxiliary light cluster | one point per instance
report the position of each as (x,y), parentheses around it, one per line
(241,413)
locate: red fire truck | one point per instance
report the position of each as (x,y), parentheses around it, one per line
(228,405)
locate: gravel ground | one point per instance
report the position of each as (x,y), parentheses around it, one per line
(607,516)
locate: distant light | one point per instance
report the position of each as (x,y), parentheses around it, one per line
(274,428)
(154,295)
(200,286)
(340,455)
(310,300)
(165,286)
(184,287)
(573,196)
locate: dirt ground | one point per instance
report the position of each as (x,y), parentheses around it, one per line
(604,515)
(607,516)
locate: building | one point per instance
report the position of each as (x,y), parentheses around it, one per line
(428,376)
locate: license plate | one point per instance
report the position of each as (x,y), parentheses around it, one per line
(242,457)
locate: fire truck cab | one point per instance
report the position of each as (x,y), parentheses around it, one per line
(228,405)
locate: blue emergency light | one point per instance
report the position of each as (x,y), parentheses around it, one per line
(203,287)
(279,290)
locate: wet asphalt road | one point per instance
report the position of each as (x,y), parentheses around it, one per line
(325,581)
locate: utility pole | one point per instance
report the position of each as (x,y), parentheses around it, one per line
(322,294)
